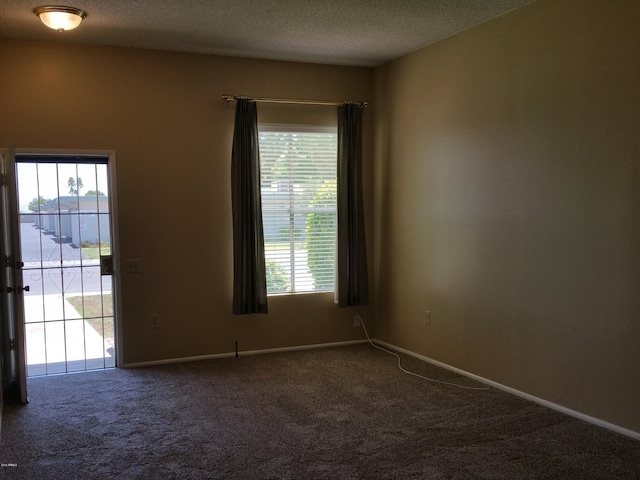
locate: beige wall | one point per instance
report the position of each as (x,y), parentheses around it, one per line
(507,203)
(162,114)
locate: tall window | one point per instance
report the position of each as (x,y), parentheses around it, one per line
(298,184)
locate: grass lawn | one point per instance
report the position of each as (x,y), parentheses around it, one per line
(92,251)
(94,310)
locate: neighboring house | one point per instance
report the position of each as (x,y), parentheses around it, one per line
(82,219)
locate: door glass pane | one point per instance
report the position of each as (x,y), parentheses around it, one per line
(52,294)
(87,180)
(105,234)
(108,321)
(36,349)
(102,182)
(75,345)
(55,347)
(30,240)
(28,197)
(70,184)
(109,342)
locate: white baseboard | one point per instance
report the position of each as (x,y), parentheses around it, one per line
(540,401)
(241,353)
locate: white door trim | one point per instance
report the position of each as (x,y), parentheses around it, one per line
(115,235)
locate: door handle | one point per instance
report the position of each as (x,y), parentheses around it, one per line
(11,289)
(106,265)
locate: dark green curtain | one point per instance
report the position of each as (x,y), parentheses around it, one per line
(352,286)
(249,275)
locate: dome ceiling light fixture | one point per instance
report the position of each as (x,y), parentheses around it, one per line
(60,18)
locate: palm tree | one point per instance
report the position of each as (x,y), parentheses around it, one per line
(74,188)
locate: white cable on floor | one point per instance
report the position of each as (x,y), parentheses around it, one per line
(412,373)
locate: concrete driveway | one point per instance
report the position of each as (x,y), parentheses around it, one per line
(52,266)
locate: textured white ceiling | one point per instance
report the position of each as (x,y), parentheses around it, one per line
(342,32)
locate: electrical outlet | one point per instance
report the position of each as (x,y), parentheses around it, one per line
(357,321)
(155,321)
(427,317)
(132,265)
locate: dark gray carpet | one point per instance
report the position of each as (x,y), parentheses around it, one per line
(338,413)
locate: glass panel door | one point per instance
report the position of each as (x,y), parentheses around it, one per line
(65,232)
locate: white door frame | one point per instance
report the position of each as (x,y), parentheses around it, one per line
(115,237)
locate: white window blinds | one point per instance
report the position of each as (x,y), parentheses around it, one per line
(298,185)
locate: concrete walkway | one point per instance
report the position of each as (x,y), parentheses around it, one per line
(58,340)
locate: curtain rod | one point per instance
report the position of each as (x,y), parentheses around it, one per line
(230,98)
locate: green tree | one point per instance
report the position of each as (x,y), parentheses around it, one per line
(321,225)
(291,152)
(94,193)
(34,205)
(74,187)
(277,277)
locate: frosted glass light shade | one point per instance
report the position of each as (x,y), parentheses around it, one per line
(60,18)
